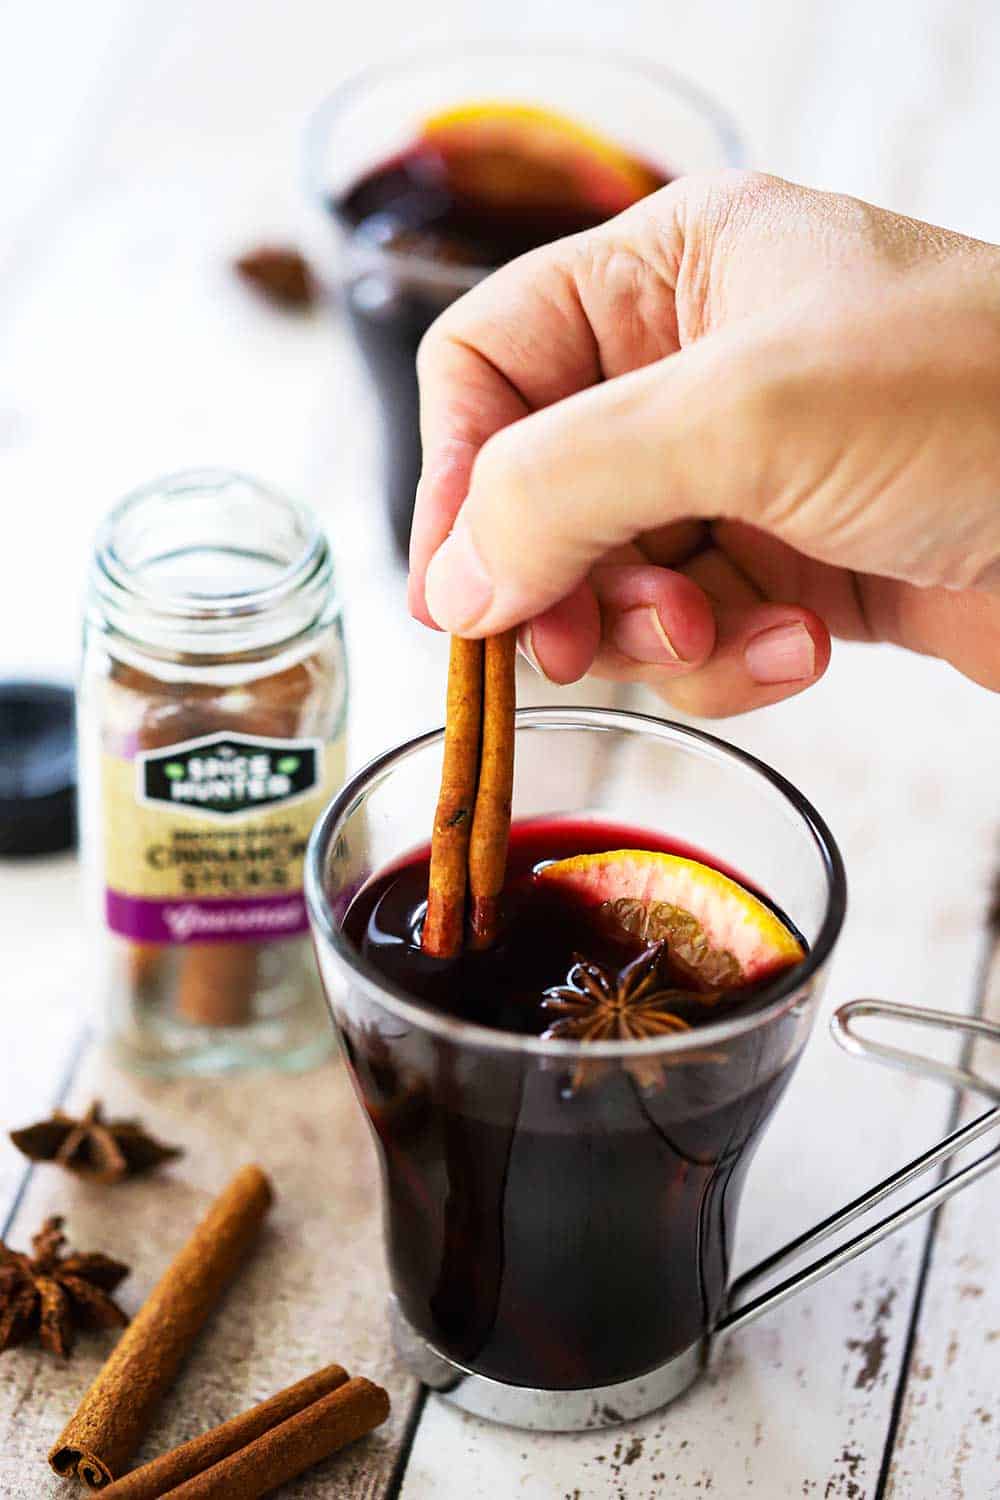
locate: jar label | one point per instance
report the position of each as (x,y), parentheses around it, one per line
(205,840)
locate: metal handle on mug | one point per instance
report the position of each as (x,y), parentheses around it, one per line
(740,1311)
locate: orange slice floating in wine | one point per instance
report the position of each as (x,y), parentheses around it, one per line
(718,935)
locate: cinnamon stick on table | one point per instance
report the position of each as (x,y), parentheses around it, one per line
(472,821)
(209,1449)
(314,1433)
(113,1416)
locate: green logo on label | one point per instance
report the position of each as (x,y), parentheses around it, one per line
(228,773)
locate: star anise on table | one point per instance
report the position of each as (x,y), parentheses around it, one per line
(95,1148)
(598,1005)
(53,1293)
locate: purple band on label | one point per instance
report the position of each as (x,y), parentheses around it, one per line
(251,919)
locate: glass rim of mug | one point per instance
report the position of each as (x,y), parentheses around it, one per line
(403,61)
(771,1002)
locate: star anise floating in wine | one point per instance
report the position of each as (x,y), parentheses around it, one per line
(596,1004)
(54,1292)
(100,1150)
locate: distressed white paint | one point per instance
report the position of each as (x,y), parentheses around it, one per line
(949,1432)
(136,156)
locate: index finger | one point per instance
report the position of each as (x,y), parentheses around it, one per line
(463,401)
(544,327)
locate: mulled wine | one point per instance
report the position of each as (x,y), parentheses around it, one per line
(477,187)
(551,1222)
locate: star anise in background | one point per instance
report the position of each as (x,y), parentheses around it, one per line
(598,1005)
(280,274)
(53,1293)
(97,1149)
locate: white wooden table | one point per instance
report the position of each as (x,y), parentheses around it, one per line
(140,145)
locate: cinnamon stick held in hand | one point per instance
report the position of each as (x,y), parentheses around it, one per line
(491,815)
(472,821)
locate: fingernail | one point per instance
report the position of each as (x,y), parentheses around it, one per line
(526,646)
(458,589)
(785,653)
(639,634)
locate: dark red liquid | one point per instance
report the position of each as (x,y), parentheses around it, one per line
(548,1230)
(408,205)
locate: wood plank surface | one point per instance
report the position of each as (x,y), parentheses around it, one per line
(948,1441)
(311,1293)
(47,1001)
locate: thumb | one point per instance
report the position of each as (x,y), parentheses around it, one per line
(553,493)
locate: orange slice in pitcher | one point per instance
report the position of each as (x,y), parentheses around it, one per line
(718,935)
(519,155)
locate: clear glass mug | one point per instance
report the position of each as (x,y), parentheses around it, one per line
(560,1216)
(391,298)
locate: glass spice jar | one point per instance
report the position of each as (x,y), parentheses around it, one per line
(212,709)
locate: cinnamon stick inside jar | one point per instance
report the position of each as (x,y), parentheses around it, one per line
(217,983)
(214,983)
(212,725)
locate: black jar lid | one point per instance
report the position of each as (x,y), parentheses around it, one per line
(37,768)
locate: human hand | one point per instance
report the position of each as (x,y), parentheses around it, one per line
(686,447)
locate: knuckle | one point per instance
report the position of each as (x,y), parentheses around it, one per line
(712,213)
(735,193)
(621,288)
(610,263)
(711,194)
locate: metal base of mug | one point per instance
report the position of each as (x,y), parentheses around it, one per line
(543,1410)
